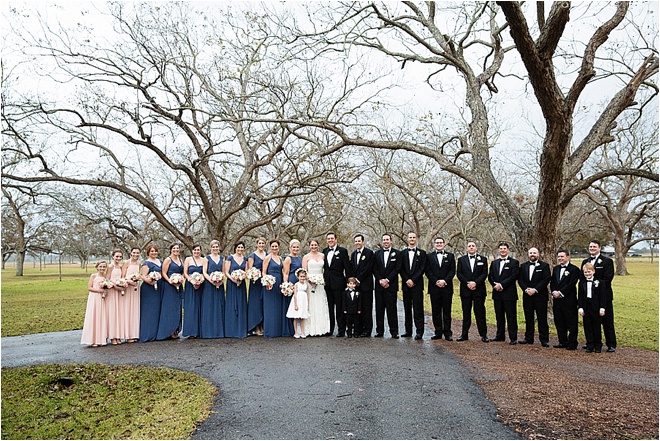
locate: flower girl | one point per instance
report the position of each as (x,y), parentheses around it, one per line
(299,306)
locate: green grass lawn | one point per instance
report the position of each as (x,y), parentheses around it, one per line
(102,402)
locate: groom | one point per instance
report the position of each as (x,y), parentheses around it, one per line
(336,269)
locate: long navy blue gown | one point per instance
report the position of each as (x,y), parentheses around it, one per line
(287,323)
(256,297)
(273,300)
(236,303)
(150,301)
(170,310)
(213,305)
(192,300)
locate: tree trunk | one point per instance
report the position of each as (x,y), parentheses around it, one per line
(20,260)
(620,251)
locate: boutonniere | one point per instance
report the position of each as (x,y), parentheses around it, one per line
(444,257)
(393,254)
(596,282)
(478,258)
(506,261)
(536,264)
(418,253)
(336,253)
(362,258)
(566,273)
(600,261)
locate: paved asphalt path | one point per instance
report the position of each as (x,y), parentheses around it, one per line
(316,388)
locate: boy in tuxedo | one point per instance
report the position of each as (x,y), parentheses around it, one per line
(591,306)
(352,307)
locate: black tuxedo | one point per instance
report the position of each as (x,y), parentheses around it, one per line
(505,272)
(605,273)
(565,308)
(441,298)
(363,270)
(352,308)
(413,297)
(335,276)
(537,303)
(591,306)
(476,297)
(386,298)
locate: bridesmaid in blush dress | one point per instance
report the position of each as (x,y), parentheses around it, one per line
(291,263)
(170,310)
(213,297)
(236,299)
(256,297)
(131,271)
(95,328)
(151,296)
(273,298)
(192,297)
(115,302)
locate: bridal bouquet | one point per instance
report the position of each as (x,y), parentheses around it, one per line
(106,284)
(217,276)
(316,279)
(155,276)
(287,288)
(268,281)
(238,274)
(253,274)
(197,279)
(122,283)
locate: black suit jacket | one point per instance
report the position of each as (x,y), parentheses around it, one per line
(598,296)
(364,269)
(339,270)
(479,275)
(604,272)
(539,280)
(354,305)
(566,285)
(435,272)
(416,273)
(507,278)
(389,271)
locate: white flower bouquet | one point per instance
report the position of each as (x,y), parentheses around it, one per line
(287,288)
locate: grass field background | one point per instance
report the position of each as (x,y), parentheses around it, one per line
(39,302)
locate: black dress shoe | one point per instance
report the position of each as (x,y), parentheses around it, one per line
(407,334)
(449,339)
(365,334)
(559,346)
(525,342)
(513,342)
(395,335)
(545,344)
(571,348)
(611,349)
(585,347)
(349,336)
(598,351)
(589,350)
(485,339)
(436,337)
(461,338)
(378,335)
(418,336)
(498,339)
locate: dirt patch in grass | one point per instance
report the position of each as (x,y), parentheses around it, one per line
(549,393)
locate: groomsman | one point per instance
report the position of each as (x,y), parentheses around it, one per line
(362,263)
(502,276)
(336,269)
(604,272)
(412,284)
(472,272)
(564,300)
(386,272)
(533,280)
(440,270)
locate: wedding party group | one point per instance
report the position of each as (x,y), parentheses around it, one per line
(266,294)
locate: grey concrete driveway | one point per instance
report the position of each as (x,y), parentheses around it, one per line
(316,388)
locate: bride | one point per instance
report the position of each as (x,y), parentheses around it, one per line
(319,321)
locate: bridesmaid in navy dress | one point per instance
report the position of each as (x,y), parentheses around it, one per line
(273,298)
(151,296)
(236,299)
(192,297)
(170,310)
(213,298)
(256,297)
(291,263)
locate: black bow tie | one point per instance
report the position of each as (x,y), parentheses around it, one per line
(412,249)
(442,253)
(472,257)
(563,266)
(590,280)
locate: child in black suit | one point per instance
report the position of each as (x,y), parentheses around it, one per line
(591,306)
(352,307)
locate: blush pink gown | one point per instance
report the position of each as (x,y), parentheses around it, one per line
(131,310)
(95,328)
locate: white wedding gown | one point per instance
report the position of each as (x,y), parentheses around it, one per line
(318,322)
